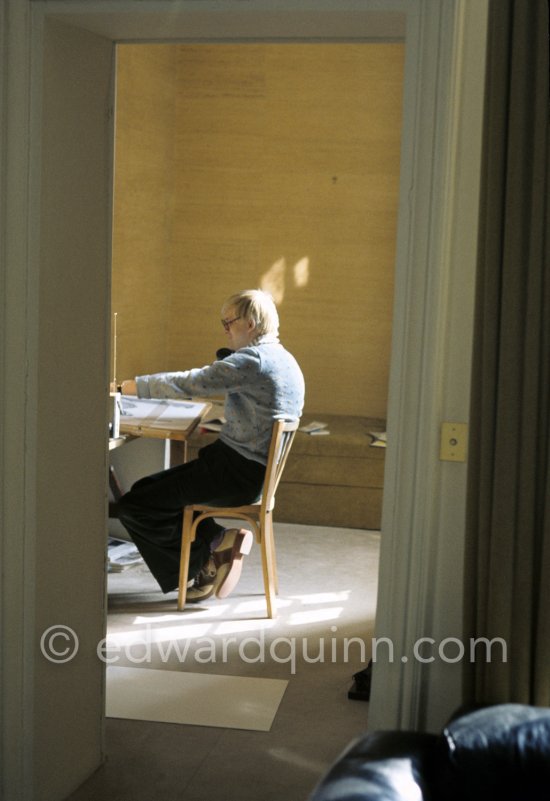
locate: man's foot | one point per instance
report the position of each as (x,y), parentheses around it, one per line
(202,586)
(228,559)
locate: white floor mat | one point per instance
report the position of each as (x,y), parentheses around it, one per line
(195,699)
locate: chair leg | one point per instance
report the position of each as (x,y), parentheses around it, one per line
(186,539)
(268,567)
(271,538)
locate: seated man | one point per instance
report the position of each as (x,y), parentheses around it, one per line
(261,382)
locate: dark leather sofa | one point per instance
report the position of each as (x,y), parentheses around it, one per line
(495,753)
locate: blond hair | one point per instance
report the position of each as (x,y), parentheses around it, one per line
(257,306)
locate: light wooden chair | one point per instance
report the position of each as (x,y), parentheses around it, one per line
(259,515)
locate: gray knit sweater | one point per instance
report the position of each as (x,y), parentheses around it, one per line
(261,382)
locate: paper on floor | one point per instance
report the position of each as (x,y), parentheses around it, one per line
(195,699)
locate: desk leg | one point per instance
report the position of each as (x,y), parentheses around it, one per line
(178,452)
(116,488)
(114,484)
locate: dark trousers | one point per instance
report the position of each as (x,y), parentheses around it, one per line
(152,511)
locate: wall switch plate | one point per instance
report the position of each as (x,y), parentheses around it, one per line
(454,439)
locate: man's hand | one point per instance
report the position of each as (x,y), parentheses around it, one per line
(128,387)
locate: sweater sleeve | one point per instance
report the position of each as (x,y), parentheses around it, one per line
(230,374)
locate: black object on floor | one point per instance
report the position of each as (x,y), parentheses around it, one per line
(360,689)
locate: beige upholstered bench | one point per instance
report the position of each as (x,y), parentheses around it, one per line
(334,480)
(329,480)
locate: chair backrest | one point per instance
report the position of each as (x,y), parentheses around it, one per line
(282,438)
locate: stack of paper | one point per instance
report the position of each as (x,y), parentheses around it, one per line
(121,555)
(155,413)
(315,427)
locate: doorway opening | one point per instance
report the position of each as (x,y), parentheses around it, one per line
(274,166)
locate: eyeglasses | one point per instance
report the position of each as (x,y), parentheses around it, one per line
(228,323)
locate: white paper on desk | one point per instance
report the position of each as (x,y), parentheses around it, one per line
(158,413)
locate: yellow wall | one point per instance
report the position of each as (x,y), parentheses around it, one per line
(143,197)
(260,165)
